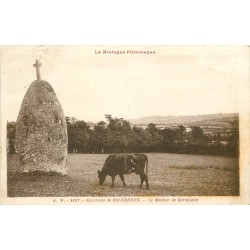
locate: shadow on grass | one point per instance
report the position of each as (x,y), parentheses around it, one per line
(34,176)
(39,184)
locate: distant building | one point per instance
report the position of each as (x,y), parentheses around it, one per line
(91,125)
(71,120)
(224,142)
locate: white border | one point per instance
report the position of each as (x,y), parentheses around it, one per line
(149,22)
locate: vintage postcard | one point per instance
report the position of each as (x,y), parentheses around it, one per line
(125,125)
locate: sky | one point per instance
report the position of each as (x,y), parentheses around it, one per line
(176,80)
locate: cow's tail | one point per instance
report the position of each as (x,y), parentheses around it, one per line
(146,165)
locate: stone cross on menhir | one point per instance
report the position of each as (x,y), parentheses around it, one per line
(38,65)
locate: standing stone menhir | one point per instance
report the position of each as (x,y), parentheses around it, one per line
(41,130)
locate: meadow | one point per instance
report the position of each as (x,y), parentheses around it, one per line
(169,175)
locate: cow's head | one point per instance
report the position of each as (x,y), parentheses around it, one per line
(101,177)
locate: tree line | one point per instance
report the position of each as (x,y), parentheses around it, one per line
(116,135)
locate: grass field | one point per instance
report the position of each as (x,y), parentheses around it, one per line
(169,175)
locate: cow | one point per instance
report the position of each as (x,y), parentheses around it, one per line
(120,164)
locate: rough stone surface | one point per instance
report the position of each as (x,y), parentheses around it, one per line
(41,131)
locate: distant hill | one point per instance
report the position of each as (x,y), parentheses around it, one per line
(211,124)
(224,123)
(185,120)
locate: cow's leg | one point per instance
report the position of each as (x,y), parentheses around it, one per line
(123,181)
(142,179)
(146,180)
(113,181)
